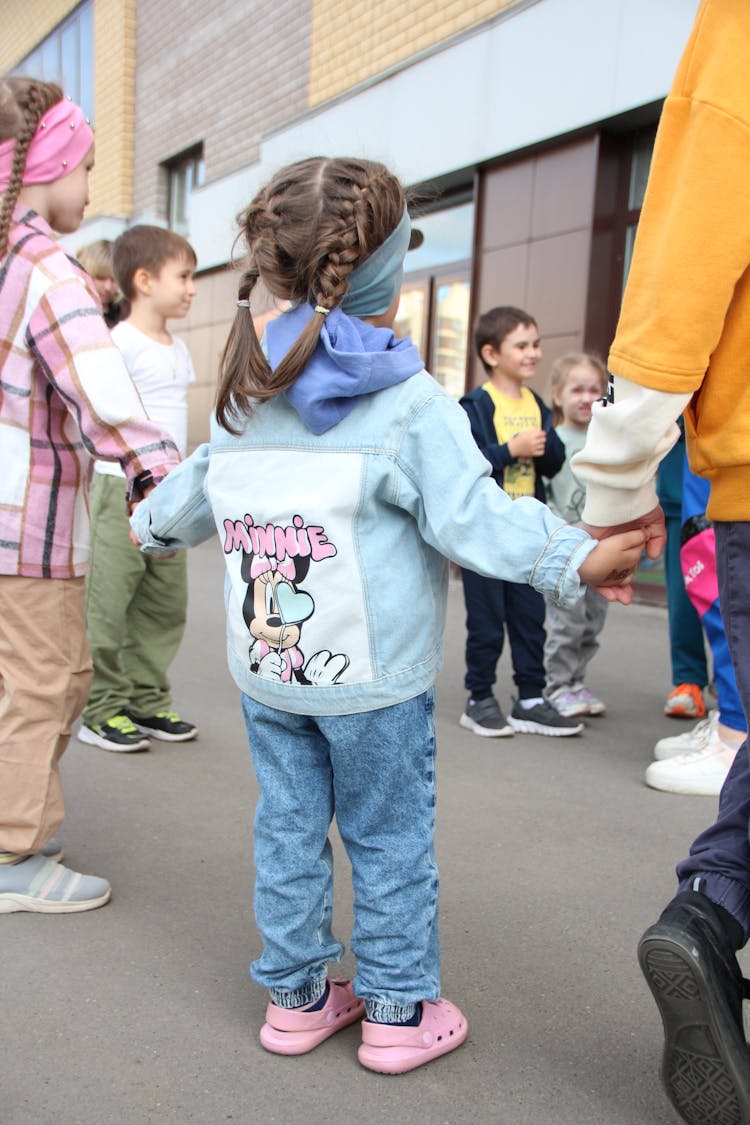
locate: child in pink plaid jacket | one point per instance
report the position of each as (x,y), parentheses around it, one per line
(65,398)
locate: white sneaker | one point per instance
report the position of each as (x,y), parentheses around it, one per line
(595,705)
(699,774)
(697,738)
(568,702)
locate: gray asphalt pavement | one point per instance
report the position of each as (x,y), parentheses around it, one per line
(554,857)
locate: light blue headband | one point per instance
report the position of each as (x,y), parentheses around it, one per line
(375,284)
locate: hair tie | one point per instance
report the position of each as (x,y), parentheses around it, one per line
(243,304)
(322,309)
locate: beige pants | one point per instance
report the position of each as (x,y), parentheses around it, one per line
(45,674)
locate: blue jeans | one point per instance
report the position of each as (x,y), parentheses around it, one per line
(720,857)
(376,772)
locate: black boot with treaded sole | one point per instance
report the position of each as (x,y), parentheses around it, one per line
(693,974)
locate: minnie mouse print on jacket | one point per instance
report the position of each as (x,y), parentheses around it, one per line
(274,610)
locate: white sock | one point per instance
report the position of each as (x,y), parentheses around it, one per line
(529,703)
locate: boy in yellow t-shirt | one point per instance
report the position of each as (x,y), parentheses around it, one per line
(513,428)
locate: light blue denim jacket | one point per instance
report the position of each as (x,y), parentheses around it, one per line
(336,544)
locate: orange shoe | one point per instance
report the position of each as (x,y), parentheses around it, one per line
(685,702)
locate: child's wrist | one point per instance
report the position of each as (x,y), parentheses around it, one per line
(141,486)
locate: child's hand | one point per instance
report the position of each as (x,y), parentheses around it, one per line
(611,565)
(653,526)
(137,542)
(528,443)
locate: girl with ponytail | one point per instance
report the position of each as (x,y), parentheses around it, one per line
(341,478)
(65,398)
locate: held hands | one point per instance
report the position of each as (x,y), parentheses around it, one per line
(652,524)
(616,587)
(611,565)
(134,538)
(528,443)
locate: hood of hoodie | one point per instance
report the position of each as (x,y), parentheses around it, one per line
(352,359)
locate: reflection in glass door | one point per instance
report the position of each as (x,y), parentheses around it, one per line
(450,333)
(434,314)
(411,321)
(434,308)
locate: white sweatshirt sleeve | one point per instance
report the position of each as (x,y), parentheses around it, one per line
(626,440)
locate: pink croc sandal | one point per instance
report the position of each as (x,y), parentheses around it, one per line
(294,1031)
(392,1049)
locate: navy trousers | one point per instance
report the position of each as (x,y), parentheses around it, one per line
(492,606)
(720,857)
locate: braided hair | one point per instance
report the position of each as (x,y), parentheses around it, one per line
(305,232)
(23,103)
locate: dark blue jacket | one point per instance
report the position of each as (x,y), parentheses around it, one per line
(481,410)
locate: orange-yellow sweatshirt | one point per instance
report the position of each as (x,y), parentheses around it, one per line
(683,339)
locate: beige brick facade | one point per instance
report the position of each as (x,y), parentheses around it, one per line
(357,41)
(114,93)
(27,24)
(205,331)
(236,72)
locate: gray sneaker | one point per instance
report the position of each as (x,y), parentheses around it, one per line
(42,886)
(52,849)
(543,718)
(484,717)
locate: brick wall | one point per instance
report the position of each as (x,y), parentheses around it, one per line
(205,332)
(114,90)
(359,40)
(25,23)
(224,74)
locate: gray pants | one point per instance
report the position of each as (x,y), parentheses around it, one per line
(572,639)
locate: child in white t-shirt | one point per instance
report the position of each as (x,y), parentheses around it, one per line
(136,605)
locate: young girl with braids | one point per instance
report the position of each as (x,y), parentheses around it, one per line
(65,398)
(341,479)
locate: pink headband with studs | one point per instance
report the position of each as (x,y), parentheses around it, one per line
(62,139)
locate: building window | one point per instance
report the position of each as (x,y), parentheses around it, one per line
(184,173)
(434,308)
(66,56)
(640,166)
(622,175)
(624,163)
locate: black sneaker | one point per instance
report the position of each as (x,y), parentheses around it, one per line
(693,974)
(483,716)
(166,725)
(543,718)
(118,733)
